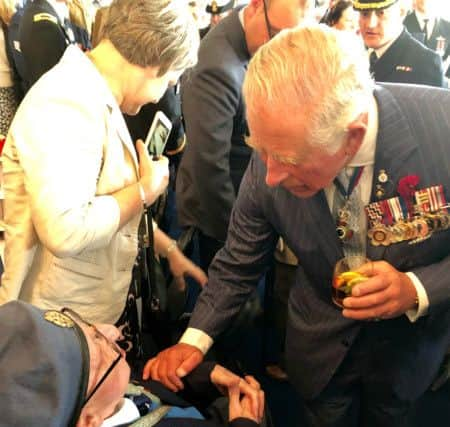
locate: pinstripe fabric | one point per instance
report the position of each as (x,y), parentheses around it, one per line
(413,138)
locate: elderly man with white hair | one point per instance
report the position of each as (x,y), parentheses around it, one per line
(316,118)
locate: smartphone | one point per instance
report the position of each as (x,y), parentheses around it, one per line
(158,134)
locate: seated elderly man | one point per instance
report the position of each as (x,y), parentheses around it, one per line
(58,370)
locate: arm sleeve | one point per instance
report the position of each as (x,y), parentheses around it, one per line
(61,161)
(247,254)
(210,102)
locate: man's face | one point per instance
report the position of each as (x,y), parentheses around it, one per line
(144,86)
(380,26)
(281,14)
(102,355)
(291,161)
(426,6)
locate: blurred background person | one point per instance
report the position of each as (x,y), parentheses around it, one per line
(395,56)
(427,26)
(342,16)
(45,31)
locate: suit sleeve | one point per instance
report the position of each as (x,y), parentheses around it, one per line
(434,279)
(210,101)
(248,251)
(43,50)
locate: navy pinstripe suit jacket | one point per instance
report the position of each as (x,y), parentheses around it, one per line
(413,138)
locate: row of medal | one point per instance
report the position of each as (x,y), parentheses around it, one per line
(392,220)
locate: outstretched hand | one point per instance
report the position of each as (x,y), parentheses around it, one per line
(172,364)
(388,293)
(181,267)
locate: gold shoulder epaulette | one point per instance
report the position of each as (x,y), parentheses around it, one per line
(45,17)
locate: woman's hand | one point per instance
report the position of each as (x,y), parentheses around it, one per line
(154,173)
(181,266)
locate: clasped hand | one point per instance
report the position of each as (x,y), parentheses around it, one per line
(388,293)
(172,364)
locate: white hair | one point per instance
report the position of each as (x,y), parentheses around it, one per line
(316,73)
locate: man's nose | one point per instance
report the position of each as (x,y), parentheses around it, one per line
(372,20)
(275,173)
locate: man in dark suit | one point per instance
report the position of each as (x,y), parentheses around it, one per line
(44,34)
(216,155)
(426,26)
(395,56)
(365,364)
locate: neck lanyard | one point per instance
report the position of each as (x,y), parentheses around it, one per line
(353,182)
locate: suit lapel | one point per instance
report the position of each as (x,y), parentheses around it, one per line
(385,66)
(395,146)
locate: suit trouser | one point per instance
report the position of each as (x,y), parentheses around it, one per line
(359,394)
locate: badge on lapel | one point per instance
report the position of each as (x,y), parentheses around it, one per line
(404,68)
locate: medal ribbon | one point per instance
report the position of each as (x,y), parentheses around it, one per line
(353,182)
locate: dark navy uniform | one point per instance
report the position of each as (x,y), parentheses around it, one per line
(409,61)
(43,39)
(441,29)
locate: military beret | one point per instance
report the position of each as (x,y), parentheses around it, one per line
(44,367)
(372,4)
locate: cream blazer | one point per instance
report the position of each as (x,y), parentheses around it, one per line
(67,150)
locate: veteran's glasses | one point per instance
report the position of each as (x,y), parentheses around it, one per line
(112,344)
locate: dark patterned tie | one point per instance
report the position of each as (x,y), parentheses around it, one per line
(425,29)
(373,58)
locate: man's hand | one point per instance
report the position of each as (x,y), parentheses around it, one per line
(154,174)
(246,405)
(181,266)
(387,293)
(172,364)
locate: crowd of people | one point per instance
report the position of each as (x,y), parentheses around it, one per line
(298,139)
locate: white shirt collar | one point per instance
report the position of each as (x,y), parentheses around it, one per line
(380,51)
(61,9)
(366,154)
(431,21)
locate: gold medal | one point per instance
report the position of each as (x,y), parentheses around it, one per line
(379,235)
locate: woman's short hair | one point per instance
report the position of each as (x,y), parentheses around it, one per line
(334,14)
(153,33)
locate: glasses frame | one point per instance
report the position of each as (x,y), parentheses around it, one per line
(79,320)
(270,33)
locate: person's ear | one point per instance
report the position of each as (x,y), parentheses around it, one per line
(253,7)
(89,419)
(356,131)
